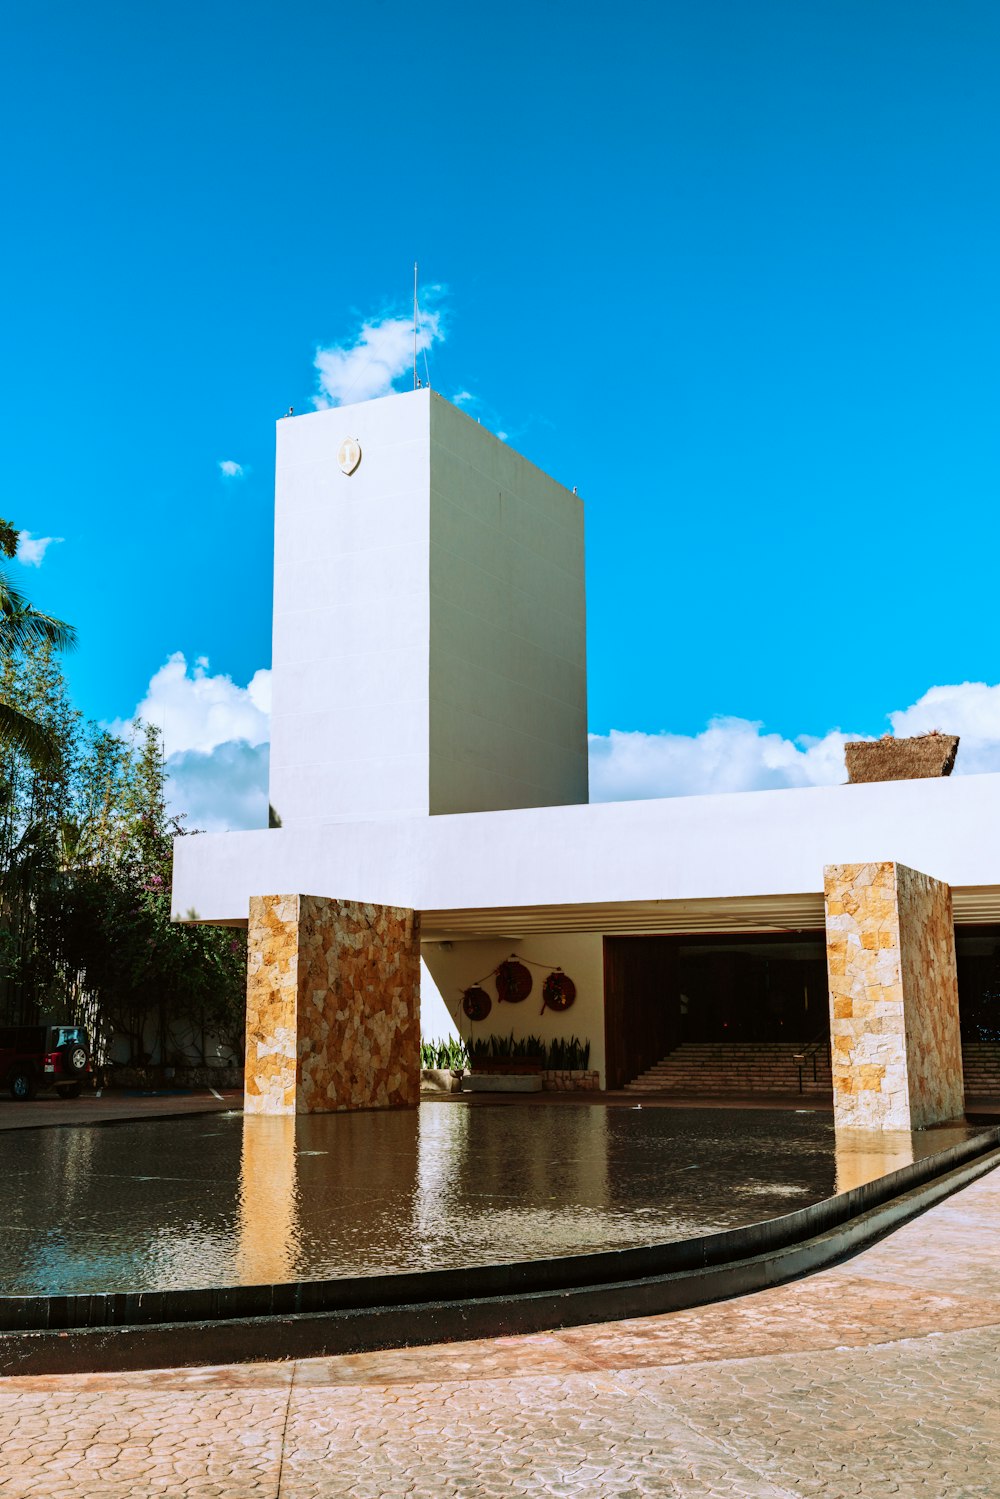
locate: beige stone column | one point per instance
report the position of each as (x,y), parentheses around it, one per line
(895,1043)
(333,1006)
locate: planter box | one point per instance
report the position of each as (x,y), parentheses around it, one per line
(901,759)
(503,1066)
(440,1080)
(567,1080)
(502,1082)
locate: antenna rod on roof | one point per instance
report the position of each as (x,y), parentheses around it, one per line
(416,382)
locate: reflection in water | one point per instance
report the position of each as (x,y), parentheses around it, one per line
(509,1183)
(357,1179)
(268,1230)
(225,1200)
(443,1148)
(865,1154)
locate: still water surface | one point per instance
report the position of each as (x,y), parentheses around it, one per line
(223,1200)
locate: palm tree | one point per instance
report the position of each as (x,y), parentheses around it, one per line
(75,844)
(20,626)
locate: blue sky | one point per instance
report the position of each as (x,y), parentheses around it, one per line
(729,268)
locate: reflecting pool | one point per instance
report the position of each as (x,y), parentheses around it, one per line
(223,1199)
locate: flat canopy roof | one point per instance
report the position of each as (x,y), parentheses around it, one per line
(755,913)
(743,861)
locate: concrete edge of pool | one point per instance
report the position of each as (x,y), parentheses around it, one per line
(91,1333)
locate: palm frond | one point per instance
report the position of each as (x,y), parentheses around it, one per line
(21,625)
(75,843)
(30,854)
(28,736)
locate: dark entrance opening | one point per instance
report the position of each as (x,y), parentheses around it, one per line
(660,992)
(977,951)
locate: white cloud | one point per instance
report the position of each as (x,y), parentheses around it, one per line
(731,754)
(735,754)
(216,744)
(462,398)
(222,791)
(381,354)
(970,709)
(197,711)
(31,549)
(230,469)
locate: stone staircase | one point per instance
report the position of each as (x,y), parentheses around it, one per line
(981,1065)
(713,1068)
(719,1067)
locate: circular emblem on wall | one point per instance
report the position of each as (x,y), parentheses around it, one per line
(558,991)
(350,454)
(476,1003)
(513,982)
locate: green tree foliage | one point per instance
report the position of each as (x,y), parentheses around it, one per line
(23,628)
(8,538)
(86,847)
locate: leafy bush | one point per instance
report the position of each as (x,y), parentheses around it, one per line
(506,1048)
(572,1055)
(568,1056)
(450,1053)
(86,857)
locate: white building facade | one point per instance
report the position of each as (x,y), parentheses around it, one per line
(429,755)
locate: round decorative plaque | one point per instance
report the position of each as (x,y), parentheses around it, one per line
(513,982)
(558,991)
(476,1003)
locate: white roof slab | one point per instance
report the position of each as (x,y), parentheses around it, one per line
(751,859)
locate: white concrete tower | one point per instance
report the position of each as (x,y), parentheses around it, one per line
(429,649)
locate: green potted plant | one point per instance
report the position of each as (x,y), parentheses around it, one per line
(504,1054)
(442,1064)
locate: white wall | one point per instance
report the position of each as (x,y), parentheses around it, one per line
(686,848)
(349,723)
(455,967)
(429,650)
(508,687)
(436,1021)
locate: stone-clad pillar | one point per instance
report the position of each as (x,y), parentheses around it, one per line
(895,1043)
(333,1006)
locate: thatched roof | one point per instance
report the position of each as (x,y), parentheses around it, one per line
(891,759)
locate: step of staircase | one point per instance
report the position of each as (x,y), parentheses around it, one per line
(981,1067)
(729,1067)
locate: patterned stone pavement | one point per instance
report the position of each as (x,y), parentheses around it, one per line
(877,1377)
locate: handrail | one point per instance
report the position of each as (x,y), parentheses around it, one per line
(810,1050)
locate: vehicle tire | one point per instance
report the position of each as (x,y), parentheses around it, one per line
(22,1084)
(69,1090)
(74,1058)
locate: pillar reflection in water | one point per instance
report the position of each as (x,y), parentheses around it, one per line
(864,1154)
(269,1196)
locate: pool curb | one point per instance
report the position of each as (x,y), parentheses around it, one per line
(117,1331)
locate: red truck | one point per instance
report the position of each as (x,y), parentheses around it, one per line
(43,1056)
